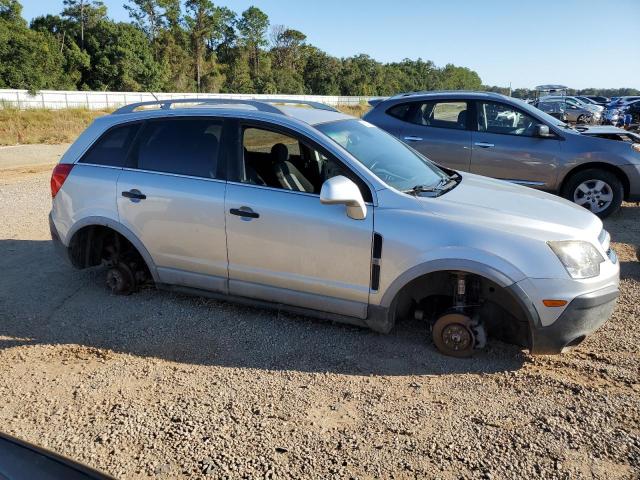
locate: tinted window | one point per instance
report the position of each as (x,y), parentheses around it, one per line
(278,160)
(442,115)
(112,148)
(181,146)
(501,118)
(400,111)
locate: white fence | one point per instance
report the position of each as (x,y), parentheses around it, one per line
(57,99)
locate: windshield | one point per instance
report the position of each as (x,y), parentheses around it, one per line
(387,157)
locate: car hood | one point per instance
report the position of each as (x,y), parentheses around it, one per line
(601,130)
(518,209)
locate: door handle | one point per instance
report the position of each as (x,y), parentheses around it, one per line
(134,195)
(244,212)
(484,145)
(413,139)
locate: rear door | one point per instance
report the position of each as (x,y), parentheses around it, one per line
(439,130)
(505,146)
(171,197)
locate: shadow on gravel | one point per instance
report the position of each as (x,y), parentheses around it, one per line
(630,270)
(44,301)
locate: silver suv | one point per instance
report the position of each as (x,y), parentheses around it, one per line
(324,214)
(502,137)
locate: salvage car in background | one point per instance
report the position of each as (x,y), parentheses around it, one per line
(577,111)
(555,109)
(599,100)
(502,137)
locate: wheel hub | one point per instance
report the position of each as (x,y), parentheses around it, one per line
(453,335)
(594,195)
(456,337)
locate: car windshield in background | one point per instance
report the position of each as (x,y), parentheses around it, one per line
(539,113)
(391,160)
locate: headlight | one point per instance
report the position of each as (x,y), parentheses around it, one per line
(581,259)
(636,147)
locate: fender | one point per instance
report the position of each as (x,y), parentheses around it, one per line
(122,230)
(456,258)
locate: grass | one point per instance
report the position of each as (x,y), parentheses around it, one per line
(354,110)
(63,126)
(43,126)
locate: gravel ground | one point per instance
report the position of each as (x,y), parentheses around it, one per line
(162,385)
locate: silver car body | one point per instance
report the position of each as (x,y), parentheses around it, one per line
(311,256)
(543,163)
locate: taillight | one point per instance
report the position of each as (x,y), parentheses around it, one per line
(58,176)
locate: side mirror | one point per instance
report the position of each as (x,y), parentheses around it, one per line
(543,131)
(341,190)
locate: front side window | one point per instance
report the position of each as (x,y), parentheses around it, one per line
(279,160)
(112,148)
(385,156)
(442,115)
(494,117)
(184,146)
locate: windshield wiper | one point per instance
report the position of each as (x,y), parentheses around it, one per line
(441,186)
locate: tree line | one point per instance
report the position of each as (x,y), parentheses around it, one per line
(194,46)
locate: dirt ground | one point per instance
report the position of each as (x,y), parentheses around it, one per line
(159,385)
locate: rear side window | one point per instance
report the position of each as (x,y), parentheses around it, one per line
(448,114)
(400,111)
(111,149)
(180,146)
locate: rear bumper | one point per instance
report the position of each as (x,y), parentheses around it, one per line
(58,246)
(633,174)
(584,315)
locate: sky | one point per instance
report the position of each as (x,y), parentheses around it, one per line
(576,43)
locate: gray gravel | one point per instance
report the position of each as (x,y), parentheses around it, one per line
(158,385)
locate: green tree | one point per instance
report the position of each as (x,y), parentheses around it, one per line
(203,20)
(238,76)
(76,61)
(253,26)
(30,59)
(321,72)
(85,13)
(11,11)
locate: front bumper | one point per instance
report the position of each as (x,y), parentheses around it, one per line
(584,315)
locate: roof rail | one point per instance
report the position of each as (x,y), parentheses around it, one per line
(425,92)
(260,105)
(166,104)
(309,103)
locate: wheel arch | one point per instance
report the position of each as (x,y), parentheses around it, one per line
(508,282)
(449,264)
(617,171)
(109,223)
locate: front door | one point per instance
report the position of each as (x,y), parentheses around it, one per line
(283,244)
(505,146)
(172,201)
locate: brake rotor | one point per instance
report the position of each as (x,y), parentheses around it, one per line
(453,335)
(120,280)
